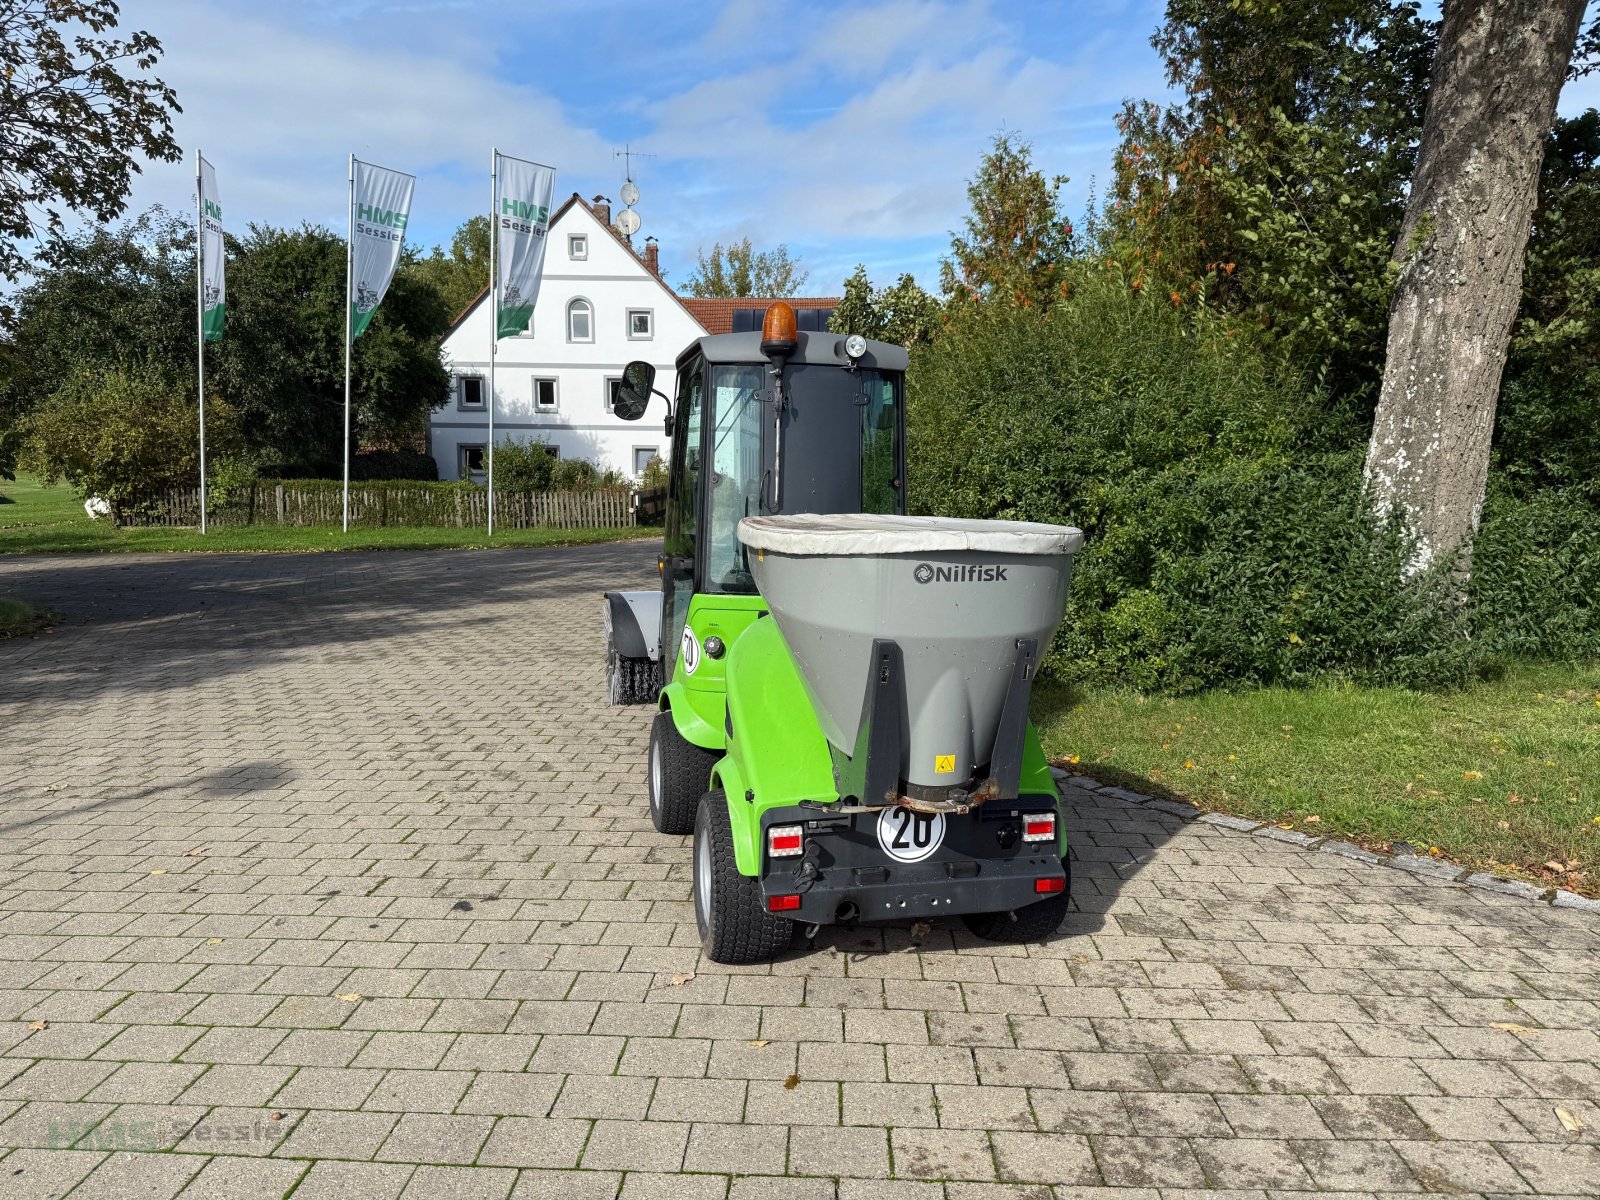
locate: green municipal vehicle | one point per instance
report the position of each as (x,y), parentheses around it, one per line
(842,689)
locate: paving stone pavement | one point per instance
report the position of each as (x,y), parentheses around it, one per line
(331,875)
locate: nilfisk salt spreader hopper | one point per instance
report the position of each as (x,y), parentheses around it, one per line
(843,690)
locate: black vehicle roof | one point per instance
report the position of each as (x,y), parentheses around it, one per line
(814,348)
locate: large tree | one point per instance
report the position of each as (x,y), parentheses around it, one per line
(1496,78)
(739,269)
(1274,187)
(1016,243)
(77,112)
(461,274)
(902,313)
(281,362)
(118,297)
(118,305)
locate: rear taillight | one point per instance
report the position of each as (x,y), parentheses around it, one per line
(1047,887)
(1039,827)
(785,841)
(783,903)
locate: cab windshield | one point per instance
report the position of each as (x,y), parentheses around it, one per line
(841,453)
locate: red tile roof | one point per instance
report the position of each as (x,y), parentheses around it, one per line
(716,313)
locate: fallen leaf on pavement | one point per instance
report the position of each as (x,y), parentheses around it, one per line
(38,1025)
(920,929)
(680,979)
(759,1043)
(1512,1027)
(197,852)
(349,997)
(791,1082)
(213,941)
(1569,1122)
(158,872)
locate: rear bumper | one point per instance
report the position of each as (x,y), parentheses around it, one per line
(973,871)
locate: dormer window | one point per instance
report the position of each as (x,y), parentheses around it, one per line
(577,246)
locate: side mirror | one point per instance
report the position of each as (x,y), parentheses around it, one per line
(633,393)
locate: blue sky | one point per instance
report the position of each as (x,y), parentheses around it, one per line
(845,130)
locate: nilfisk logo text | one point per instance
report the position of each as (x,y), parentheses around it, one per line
(969,573)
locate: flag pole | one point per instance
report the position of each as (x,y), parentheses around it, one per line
(349,238)
(200,319)
(494,312)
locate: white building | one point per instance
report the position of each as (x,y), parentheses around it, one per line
(600,306)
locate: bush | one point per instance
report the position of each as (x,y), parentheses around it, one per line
(1224,544)
(365,466)
(228,482)
(122,435)
(8,457)
(523,466)
(572,475)
(368,465)
(1536,574)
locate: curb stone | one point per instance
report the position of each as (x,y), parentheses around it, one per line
(1433,868)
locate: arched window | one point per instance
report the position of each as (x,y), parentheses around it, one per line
(580,321)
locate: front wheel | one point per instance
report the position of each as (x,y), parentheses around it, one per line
(676,777)
(735,926)
(1031,923)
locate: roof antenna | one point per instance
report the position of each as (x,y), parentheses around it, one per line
(628,219)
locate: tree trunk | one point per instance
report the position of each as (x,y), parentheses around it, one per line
(1491,101)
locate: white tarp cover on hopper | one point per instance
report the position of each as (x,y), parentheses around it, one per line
(871,533)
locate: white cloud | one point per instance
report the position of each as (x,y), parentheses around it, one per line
(846,131)
(278,110)
(931,83)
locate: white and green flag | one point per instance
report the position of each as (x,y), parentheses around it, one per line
(380,207)
(213,289)
(521,220)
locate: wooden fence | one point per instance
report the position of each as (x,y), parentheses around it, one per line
(398,504)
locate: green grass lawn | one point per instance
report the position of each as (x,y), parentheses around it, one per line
(1502,776)
(49,520)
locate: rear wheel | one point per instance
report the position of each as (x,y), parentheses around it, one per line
(735,926)
(1030,923)
(679,773)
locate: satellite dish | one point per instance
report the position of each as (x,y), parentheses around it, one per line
(628,222)
(630,194)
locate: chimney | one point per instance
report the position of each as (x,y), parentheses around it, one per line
(652,257)
(601,207)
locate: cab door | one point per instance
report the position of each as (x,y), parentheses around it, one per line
(681,534)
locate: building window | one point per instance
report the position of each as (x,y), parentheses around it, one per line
(553,451)
(642,458)
(578,246)
(470,391)
(641,324)
(544,395)
(580,321)
(613,383)
(469,463)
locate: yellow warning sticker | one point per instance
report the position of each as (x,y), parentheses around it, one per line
(943,764)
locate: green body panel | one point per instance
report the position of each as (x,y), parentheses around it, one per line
(697,701)
(778,752)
